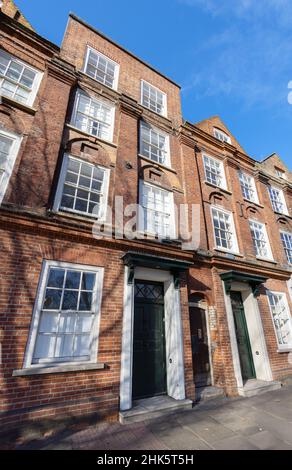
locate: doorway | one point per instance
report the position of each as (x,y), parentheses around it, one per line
(149,351)
(242,337)
(200,347)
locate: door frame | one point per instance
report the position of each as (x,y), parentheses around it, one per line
(245,332)
(203,305)
(175,376)
(144,301)
(255,331)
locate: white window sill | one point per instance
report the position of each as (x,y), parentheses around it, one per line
(113,88)
(282,213)
(58,369)
(79,215)
(228,252)
(155,112)
(267,260)
(166,167)
(286,350)
(256,203)
(95,137)
(225,190)
(24,107)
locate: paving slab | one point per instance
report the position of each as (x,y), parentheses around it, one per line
(266,440)
(262,422)
(235,443)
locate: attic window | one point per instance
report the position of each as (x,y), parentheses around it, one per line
(17,15)
(280,173)
(220,135)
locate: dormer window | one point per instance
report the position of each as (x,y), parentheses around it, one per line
(280,173)
(220,135)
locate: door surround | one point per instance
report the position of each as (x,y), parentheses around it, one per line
(204,306)
(255,331)
(173,335)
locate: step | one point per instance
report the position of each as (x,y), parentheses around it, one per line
(209,393)
(256,387)
(154,407)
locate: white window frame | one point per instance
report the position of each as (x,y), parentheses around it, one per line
(252,186)
(96,302)
(282,197)
(222,136)
(164,98)
(59,192)
(116,65)
(284,247)
(172,220)
(35,86)
(167,144)
(266,240)
(4,179)
(281,347)
(235,249)
(80,92)
(223,185)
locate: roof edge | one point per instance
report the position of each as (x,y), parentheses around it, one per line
(84,23)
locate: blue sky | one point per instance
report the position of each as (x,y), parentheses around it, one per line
(231,57)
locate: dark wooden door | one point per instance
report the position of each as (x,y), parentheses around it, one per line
(149,359)
(242,336)
(200,347)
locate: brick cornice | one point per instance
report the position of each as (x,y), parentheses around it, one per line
(79,231)
(25,33)
(61,70)
(130,106)
(247,266)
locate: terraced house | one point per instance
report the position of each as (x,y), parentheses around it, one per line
(112,327)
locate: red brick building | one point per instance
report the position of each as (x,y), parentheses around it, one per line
(91,325)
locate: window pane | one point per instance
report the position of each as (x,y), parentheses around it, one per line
(4,61)
(88,281)
(72,280)
(45,346)
(81,205)
(14,71)
(48,323)
(56,277)
(85,301)
(67,323)
(52,299)
(67,202)
(84,323)
(27,78)
(70,300)
(82,345)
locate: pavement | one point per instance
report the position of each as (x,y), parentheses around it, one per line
(256,423)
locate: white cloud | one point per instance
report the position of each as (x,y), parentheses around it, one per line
(250,54)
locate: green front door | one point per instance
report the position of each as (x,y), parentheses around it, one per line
(242,336)
(149,362)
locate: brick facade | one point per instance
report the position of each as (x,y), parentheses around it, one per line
(31,231)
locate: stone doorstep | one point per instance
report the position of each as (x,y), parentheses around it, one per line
(208,393)
(154,407)
(256,387)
